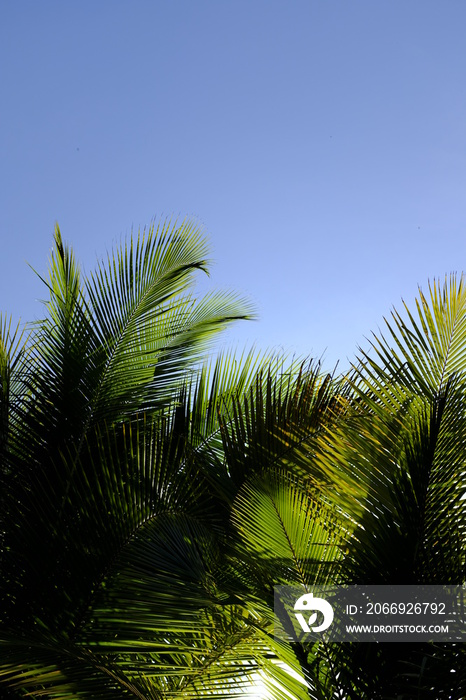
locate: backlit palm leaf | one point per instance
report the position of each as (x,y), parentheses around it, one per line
(410,446)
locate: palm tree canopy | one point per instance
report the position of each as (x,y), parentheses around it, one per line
(151,498)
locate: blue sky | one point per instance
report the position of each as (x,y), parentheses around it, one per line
(322,145)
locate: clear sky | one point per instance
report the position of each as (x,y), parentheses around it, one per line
(321,143)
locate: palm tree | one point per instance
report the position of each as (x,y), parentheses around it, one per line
(108,525)
(413,389)
(373,493)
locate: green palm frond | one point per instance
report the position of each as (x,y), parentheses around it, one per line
(63,370)
(413,401)
(121,341)
(404,441)
(289,531)
(420,351)
(149,328)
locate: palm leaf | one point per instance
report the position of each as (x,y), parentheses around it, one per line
(405,444)
(288,531)
(148,328)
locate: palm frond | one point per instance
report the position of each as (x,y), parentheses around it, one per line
(289,531)
(148,327)
(421,351)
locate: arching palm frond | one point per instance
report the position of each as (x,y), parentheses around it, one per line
(416,409)
(120,341)
(411,398)
(151,329)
